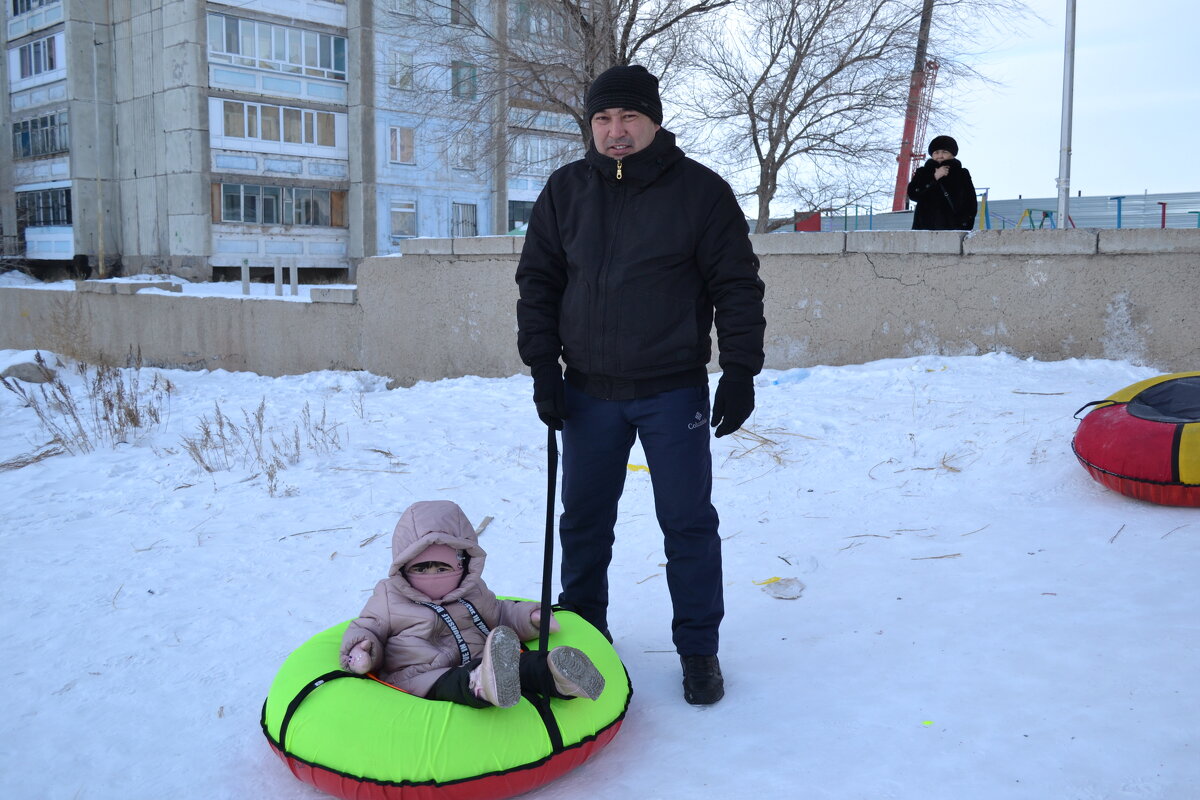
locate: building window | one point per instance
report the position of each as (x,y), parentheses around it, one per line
(20,7)
(281,205)
(530,18)
(463,220)
(402,71)
(400,145)
(404,219)
(41,136)
(37,57)
(258,121)
(262,45)
(462,12)
(536,155)
(463,80)
(519,212)
(406,7)
(462,151)
(43,207)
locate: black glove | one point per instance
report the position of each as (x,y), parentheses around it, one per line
(549,397)
(734,401)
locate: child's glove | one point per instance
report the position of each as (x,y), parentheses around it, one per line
(535,617)
(358,660)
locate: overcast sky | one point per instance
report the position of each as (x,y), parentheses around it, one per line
(1136,117)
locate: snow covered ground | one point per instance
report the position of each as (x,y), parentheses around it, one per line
(978,618)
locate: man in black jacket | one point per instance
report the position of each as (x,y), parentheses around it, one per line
(630,255)
(943,190)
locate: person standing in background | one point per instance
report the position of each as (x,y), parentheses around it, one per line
(943,191)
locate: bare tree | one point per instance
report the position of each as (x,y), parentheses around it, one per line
(527,58)
(802,98)
(803,90)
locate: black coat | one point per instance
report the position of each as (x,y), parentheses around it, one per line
(620,277)
(946,205)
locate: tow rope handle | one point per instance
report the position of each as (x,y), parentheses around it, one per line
(548,558)
(540,699)
(1089,405)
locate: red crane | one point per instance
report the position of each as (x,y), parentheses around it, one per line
(912,143)
(916,113)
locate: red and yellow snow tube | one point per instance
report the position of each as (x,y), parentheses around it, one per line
(360,739)
(1144,441)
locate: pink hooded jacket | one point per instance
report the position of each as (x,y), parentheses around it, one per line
(411,646)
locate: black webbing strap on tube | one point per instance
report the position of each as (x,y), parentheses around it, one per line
(540,701)
(548,561)
(303,693)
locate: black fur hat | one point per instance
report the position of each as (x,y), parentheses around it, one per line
(943,143)
(631,87)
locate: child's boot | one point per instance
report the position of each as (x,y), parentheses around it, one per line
(574,673)
(497,679)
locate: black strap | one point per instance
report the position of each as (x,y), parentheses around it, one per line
(478,620)
(946,194)
(541,700)
(303,693)
(1093,403)
(548,557)
(463,651)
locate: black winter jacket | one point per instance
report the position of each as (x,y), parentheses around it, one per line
(946,205)
(623,266)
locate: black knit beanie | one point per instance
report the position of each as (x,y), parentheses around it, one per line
(943,143)
(631,87)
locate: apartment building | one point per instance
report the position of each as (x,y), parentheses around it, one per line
(194,138)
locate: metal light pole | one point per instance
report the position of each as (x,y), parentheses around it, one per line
(1064,151)
(102,270)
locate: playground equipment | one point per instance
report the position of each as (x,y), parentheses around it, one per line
(1118,199)
(1046,216)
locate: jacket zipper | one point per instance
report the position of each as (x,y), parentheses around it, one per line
(618,169)
(602,280)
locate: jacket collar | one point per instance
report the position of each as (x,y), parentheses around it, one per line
(643,167)
(953,163)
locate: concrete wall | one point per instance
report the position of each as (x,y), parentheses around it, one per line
(836,298)
(447,308)
(104,321)
(1044,294)
(434,314)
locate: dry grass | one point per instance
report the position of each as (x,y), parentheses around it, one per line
(221,443)
(767,441)
(117,407)
(70,324)
(25,459)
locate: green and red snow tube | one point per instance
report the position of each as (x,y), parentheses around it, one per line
(361,739)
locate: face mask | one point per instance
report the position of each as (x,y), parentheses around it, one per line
(436,585)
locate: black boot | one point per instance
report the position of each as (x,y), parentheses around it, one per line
(536,678)
(702,681)
(564,673)
(455,687)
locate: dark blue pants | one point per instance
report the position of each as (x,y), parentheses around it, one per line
(597,437)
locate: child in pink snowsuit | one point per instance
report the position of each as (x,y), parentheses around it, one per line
(434,629)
